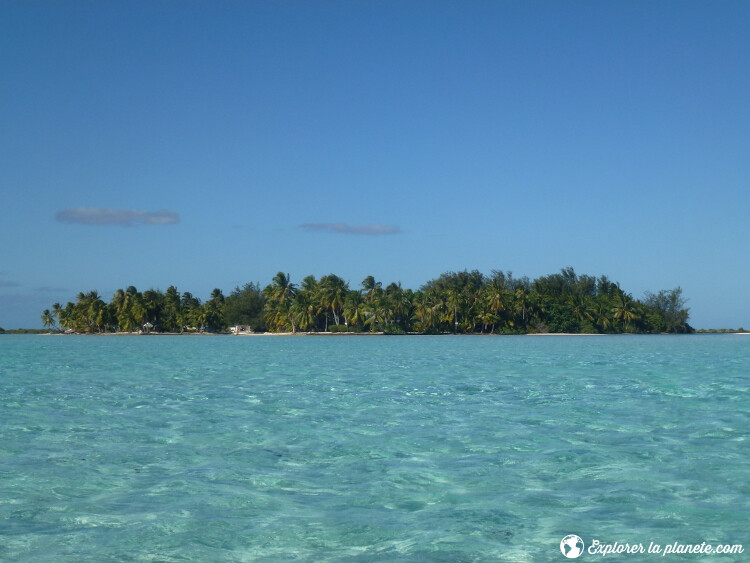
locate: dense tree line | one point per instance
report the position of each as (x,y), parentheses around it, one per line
(130,310)
(456,302)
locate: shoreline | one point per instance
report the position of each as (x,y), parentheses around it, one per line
(334,334)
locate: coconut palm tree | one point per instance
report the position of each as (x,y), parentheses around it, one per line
(495,295)
(303,310)
(624,309)
(129,312)
(354,309)
(214,311)
(455,301)
(522,303)
(311,304)
(188,305)
(580,306)
(600,313)
(279,298)
(171,310)
(57,311)
(64,318)
(376,312)
(399,305)
(153,303)
(282,289)
(333,290)
(420,310)
(198,317)
(48,320)
(370,288)
(438,312)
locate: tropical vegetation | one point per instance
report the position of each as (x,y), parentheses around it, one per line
(466,302)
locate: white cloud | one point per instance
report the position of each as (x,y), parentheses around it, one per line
(123,217)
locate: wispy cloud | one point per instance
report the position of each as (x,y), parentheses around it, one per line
(4,283)
(123,217)
(344,229)
(48,289)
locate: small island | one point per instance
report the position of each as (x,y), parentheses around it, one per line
(466,302)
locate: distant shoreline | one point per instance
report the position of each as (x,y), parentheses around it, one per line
(334,334)
(467,302)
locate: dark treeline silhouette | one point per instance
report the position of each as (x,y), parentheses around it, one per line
(456,302)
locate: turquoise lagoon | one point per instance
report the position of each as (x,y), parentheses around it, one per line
(370,448)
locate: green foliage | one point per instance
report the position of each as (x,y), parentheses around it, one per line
(244,306)
(455,302)
(668,308)
(560,318)
(279,297)
(132,311)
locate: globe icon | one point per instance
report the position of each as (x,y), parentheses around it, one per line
(571,546)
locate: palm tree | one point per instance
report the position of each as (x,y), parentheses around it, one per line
(153,303)
(489,318)
(333,291)
(214,311)
(438,312)
(454,300)
(57,311)
(280,295)
(370,288)
(495,297)
(354,309)
(171,311)
(399,305)
(311,304)
(624,309)
(98,311)
(188,305)
(303,309)
(198,317)
(376,312)
(580,307)
(522,303)
(309,284)
(600,313)
(282,289)
(420,309)
(67,316)
(129,310)
(48,319)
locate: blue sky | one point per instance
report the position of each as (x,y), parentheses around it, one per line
(208,144)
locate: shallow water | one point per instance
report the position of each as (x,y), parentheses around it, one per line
(370,448)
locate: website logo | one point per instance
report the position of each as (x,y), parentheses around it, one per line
(571,546)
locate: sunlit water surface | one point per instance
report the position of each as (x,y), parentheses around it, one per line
(370,448)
